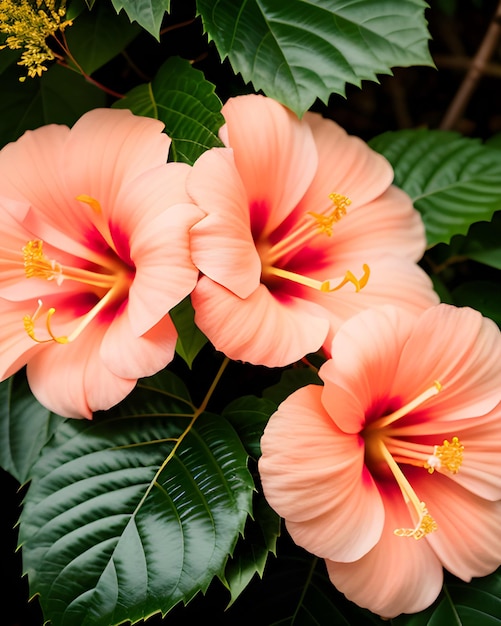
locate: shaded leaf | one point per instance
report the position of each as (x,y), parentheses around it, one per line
(249,415)
(483,242)
(60,96)
(133,512)
(190,338)
(25,427)
(291,380)
(297,52)
(251,554)
(483,295)
(97,36)
(185,102)
(453,181)
(147,13)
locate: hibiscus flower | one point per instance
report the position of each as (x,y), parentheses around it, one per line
(94,237)
(303,230)
(391,470)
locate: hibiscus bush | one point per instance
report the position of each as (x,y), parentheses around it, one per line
(250,357)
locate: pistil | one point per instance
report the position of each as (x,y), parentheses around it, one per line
(325,285)
(425,524)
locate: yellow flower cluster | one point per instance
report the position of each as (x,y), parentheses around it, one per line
(28,24)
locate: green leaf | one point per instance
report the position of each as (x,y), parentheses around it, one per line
(60,96)
(185,102)
(291,380)
(297,52)
(97,36)
(249,416)
(134,512)
(483,295)
(190,338)
(453,181)
(483,242)
(25,427)
(147,13)
(251,555)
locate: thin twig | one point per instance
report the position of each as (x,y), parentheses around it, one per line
(475,72)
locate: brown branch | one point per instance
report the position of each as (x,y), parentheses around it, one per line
(463,63)
(475,72)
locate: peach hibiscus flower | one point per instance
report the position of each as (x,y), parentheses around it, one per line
(303,230)
(392,469)
(94,231)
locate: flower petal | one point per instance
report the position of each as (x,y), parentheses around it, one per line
(222,246)
(365,357)
(399,575)
(346,165)
(165,274)
(392,280)
(275,155)
(71,380)
(388,223)
(314,476)
(17,346)
(259,329)
(130,356)
(462,350)
(467,539)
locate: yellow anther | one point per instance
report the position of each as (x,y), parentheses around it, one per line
(29,326)
(349,277)
(37,265)
(449,456)
(426,525)
(326,222)
(92,202)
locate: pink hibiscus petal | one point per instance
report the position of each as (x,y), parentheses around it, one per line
(221,244)
(17,346)
(467,539)
(274,152)
(365,358)
(346,165)
(109,147)
(129,356)
(465,358)
(71,380)
(164,273)
(258,329)
(399,575)
(392,280)
(329,500)
(388,223)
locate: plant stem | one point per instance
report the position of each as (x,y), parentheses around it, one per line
(475,72)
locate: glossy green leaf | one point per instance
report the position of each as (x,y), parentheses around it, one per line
(25,427)
(97,36)
(134,512)
(297,52)
(60,96)
(249,416)
(185,102)
(190,338)
(453,181)
(251,554)
(147,13)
